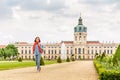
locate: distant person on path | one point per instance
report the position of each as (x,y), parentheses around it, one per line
(37,51)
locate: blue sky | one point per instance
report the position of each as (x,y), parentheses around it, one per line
(54,20)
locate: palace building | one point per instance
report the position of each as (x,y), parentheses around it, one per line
(79,48)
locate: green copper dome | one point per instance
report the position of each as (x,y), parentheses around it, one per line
(80,27)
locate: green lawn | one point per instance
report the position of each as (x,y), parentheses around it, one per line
(5,65)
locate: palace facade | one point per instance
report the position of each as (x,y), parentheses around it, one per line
(79,48)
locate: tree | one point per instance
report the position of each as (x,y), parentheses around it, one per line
(8,52)
(116,56)
(59,60)
(11,50)
(3,53)
(42,61)
(73,59)
(96,54)
(102,56)
(68,59)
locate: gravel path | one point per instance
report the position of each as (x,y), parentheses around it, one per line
(78,70)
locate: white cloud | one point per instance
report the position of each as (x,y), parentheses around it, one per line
(56,22)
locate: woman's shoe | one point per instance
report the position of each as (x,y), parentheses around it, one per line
(39,69)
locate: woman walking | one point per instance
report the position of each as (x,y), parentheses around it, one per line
(37,51)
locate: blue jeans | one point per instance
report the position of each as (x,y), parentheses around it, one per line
(37,60)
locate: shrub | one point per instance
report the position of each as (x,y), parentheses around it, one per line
(73,59)
(33,59)
(103,56)
(110,75)
(68,59)
(19,59)
(108,68)
(59,60)
(116,57)
(106,74)
(42,61)
(79,57)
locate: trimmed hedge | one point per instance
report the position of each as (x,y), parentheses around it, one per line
(59,60)
(42,61)
(106,74)
(19,59)
(68,59)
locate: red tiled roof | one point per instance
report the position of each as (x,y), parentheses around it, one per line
(93,42)
(67,42)
(21,43)
(2,46)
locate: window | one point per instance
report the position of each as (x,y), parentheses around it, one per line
(104,51)
(83,57)
(79,50)
(29,57)
(44,51)
(79,28)
(85,29)
(67,51)
(83,50)
(75,50)
(95,51)
(88,52)
(52,57)
(25,57)
(29,51)
(107,51)
(52,51)
(48,51)
(59,51)
(92,52)
(55,51)
(22,52)
(75,29)
(100,51)
(49,57)
(71,51)
(22,57)
(79,37)
(25,51)
(111,51)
